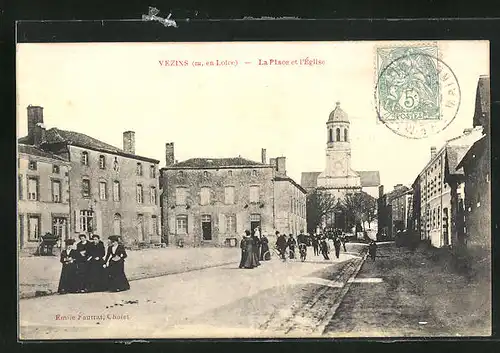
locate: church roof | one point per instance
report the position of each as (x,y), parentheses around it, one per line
(369,178)
(338,115)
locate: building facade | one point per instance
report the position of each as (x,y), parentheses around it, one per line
(212,201)
(477,172)
(339,178)
(112,191)
(43,195)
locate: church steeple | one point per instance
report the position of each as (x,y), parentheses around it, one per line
(337,127)
(338,147)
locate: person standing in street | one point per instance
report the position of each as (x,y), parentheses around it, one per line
(243,247)
(256,245)
(337,244)
(115,262)
(250,259)
(372,250)
(315,244)
(82,263)
(343,241)
(281,245)
(67,281)
(96,275)
(291,246)
(324,247)
(264,249)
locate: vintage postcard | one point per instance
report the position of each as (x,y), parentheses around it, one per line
(253,189)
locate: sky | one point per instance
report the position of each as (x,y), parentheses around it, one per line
(104,89)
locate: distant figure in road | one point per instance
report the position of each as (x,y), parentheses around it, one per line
(67,281)
(291,246)
(96,275)
(265,255)
(281,245)
(324,247)
(82,263)
(256,245)
(315,244)
(250,258)
(372,250)
(337,244)
(115,262)
(243,247)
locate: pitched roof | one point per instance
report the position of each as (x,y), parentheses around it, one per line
(338,115)
(35,151)
(369,178)
(206,163)
(483,105)
(285,178)
(309,180)
(56,135)
(479,147)
(454,154)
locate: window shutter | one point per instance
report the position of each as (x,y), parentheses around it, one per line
(222,223)
(172,225)
(76,223)
(240,223)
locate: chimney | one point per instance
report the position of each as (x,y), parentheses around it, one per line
(281,165)
(467,131)
(397,186)
(381,191)
(272,161)
(433,152)
(35,116)
(169,154)
(38,134)
(129,142)
(263,156)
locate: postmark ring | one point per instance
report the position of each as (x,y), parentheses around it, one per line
(417,95)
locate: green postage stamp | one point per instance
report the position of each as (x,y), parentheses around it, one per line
(416,94)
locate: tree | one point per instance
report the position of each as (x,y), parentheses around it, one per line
(360,207)
(319,204)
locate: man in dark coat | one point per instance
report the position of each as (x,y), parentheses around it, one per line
(291,246)
(281,245)
(96,275)
(115,262)
(337,244)
(372,249)
(82,263)
(324,247)
(315,244)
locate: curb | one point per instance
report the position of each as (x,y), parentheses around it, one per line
(39,294)
(320,328)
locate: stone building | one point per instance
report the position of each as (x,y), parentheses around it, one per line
(441,192)
(476,165)
(212,201)
(43,195)
(113,191)
(338,177)
(393,210)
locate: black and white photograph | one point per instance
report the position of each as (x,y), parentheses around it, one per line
(253,189)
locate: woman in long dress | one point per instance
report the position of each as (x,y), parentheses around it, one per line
(256,247)
(265,255)
(69,278)
(115,262)
(97,275)
(250,260)
(243,247)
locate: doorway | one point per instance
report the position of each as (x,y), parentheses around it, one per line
(254,222)
(206,227)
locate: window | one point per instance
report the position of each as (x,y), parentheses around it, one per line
(229,195)
(86,221)
(181,225)
(152,171)
(116,190)
(115,164)
(180,196)
(20,186)
(85,158)
(117,224)
(254,172)
(231,223)
(32,165)
(102,162)
(33,188)
(230,173)
(55,169)
(205,196)
(86,188)
(254,193)
(153,195)
(33,228)
(139,169)
(140,227)
(139,194)
(346,136)
(103,195)
(154,225)
(338,134)
(59,227)
(330,135)
(56,191)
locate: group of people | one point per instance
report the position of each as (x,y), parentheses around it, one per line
(254,249)
(88,267)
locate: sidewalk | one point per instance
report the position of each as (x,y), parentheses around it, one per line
(414,294)
(40,275)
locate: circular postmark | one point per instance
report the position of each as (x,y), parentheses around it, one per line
(417,95)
